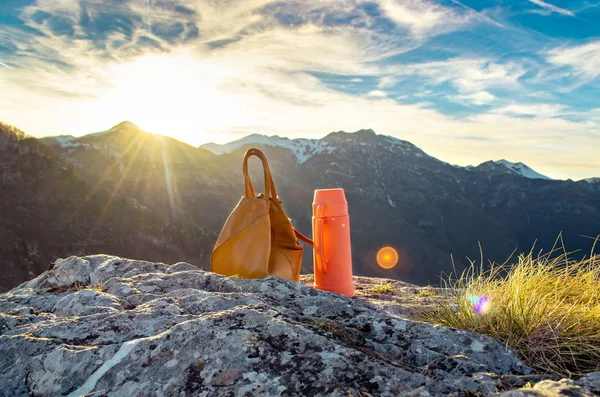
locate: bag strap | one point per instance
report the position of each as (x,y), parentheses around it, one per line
(269,185)
(302,237)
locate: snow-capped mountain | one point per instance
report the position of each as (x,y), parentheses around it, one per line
(522,170)
(504,166)
(302,148)
(592,180)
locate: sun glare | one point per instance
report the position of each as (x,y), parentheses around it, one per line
(174,95)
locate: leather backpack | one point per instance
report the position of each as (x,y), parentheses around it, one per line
(258,238)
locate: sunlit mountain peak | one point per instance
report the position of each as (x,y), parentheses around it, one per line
(125,125)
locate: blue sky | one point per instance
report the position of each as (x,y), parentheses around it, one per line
(467,81)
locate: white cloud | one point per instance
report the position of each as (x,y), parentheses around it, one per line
(424,18)
(386,82)
(543,95)
(552,8)
(470,76)
(475,98)
(538,110)
(427,93)
(357,80)
(583,60)
(377,94)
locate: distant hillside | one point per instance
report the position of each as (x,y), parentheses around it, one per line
(153,197)
(9,133)
(49,210)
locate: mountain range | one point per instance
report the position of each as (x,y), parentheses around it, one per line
(130,193)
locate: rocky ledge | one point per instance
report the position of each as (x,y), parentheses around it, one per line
(107,326)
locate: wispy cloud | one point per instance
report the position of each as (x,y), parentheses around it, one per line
(475,98)
(537,110)
(424,18)
(552,8)
(377,94)
(470,76)
(582,60)
(387,81)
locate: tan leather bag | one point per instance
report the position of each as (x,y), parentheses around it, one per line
(258,238)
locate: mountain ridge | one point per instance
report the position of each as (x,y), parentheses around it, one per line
(517,168)
(397,194)
(522,169)
(303,148)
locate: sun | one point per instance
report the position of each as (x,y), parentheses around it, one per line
(175,95)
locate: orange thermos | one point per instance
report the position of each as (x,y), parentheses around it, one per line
(332,253)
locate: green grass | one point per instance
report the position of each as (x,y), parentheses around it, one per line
(547,308)
(427,291)
(382,289)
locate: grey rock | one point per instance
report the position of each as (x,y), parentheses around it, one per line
(65,272)
(128,328)
(79,302)
(181,267)
(592,382)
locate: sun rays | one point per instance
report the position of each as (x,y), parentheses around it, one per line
(168,181)
(109,170)
(147,167)
(136,144)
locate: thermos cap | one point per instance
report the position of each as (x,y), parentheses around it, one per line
(334,201)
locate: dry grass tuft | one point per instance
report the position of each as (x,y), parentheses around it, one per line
(547,308)
(95,287)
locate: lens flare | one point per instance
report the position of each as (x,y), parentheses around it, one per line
(481,304)
(387,257)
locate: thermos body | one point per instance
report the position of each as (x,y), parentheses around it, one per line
(332,253)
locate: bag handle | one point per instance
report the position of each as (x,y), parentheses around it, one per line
(249,190)
(269,185)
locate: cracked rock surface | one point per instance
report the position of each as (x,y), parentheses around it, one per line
(118,327)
